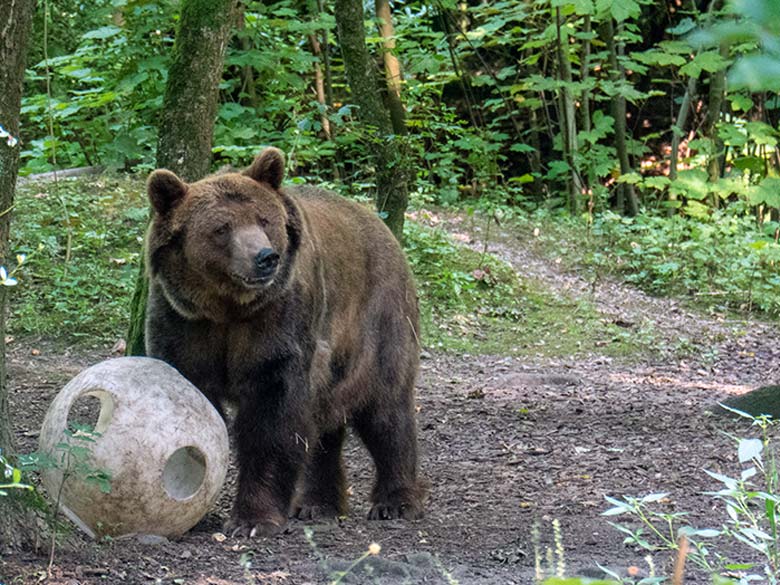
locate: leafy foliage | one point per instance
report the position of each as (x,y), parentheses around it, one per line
(11,477)
(82,240)
(724,260)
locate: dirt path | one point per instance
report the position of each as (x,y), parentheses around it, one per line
(507,444)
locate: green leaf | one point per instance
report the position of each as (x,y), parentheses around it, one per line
(765,12)
(620,10)
(767,192)
(703,532)
(691,183)
(583,7)
(660,182)
(710,61)
(697,210)
(749,449)
(686,25)
(630,178)
(103,32)
(740,102)
(660,58)
(522,179)
(81,73)
(762,133)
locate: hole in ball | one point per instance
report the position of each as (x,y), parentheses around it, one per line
(91,412)
(184,472)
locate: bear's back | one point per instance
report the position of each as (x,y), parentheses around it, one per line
(346,231)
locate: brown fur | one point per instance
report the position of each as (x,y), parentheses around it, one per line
(329,341)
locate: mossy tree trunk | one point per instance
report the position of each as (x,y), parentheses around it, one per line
(189,110)
(391,175)
(15,19)
(192,92)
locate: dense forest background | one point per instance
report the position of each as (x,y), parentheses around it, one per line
(618,105)
(652,124)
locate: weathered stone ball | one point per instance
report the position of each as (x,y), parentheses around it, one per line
(160,442)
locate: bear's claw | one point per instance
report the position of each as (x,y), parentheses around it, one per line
(236,527)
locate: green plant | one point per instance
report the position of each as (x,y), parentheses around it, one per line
(78,279)
(751,502)
(11,477)
(724,260)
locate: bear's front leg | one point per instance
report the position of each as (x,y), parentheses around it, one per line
(271,430)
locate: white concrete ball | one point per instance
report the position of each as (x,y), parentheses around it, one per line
(163,444)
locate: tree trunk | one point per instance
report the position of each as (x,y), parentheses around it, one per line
(192,90)
(626,192)
(15,19)
(678,130)
(714,106)
(391,177)
(247,71)
(189,111)
(313,9)
(392,67)
(568,121)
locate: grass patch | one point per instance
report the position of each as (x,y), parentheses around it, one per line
(724,262)
(82,241)
(476,304)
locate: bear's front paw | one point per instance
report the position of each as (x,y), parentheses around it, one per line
(394,510)
(258,527)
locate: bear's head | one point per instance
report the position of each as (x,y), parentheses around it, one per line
(224,241)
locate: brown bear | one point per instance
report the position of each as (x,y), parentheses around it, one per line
(297,307)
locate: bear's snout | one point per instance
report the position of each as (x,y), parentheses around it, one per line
(266,262)
(254,261)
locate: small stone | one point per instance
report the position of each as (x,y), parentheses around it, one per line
(151,539)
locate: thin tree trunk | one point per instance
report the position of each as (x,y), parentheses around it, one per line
(568,120)
(325,46)
(627,198)
(477,120)
(535,157)
(15,19)
(714,106)
(247,71)
(585,121)
(189,112)
(319,85)
(678,129)
(319,78)
(391,184)
(392,67)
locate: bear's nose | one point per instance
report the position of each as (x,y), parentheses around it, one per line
(266,261)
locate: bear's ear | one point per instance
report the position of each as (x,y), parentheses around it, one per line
(268,167)
(165,190)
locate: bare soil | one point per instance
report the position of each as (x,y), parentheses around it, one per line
(508,444)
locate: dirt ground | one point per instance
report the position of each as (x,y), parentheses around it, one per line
(508,444)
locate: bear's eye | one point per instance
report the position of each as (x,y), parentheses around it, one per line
(262,222)
(222,230)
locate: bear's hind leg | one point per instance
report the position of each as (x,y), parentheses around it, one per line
(324,492)
(391,438)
